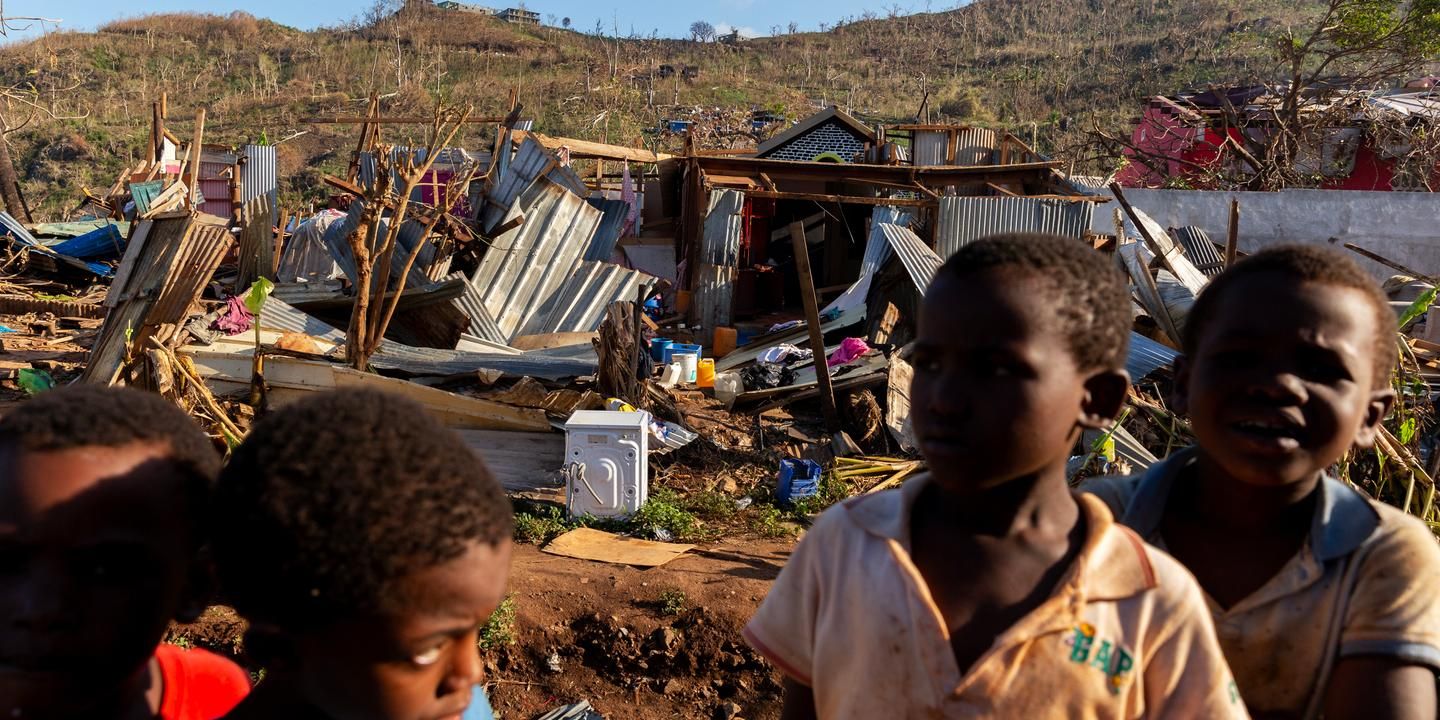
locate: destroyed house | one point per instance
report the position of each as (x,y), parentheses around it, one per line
(952,184)
(1179,139)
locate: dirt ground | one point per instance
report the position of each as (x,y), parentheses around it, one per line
(638,644)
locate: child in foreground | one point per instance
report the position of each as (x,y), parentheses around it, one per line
(366,544)
(986,588)
(104,494)
(1326,602)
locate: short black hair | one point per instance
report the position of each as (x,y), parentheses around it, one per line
(332,499)
(77,416)
(1303,263)
(1091,303)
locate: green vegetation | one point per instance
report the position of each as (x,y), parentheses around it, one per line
(673,602)
(499,630)
(541,526)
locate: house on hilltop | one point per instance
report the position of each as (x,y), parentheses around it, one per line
(519,16)
(464,7)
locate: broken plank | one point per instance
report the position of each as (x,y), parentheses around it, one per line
(521,461)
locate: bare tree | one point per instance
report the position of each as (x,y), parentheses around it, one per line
(702,31)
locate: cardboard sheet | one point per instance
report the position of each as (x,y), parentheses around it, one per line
(589,544)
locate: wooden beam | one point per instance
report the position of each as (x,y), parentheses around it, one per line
(812,322)
(587,150)
(931,176)
(357,120)
(196,152)
(1232,238)
(842,199)
(1387,262)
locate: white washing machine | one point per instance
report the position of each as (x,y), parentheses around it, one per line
(605,458)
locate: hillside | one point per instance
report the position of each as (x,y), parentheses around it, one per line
(1048,69)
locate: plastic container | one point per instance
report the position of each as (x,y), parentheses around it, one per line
(798,479)
(657,348)
(705,373)
(689,366)
(728,386)
(724,341)
(670,377)
(679,348)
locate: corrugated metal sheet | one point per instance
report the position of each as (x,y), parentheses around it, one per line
(482,324)
(526,264)
(966,219)
(281,317)
(10,227)
(529,162)
(976,146)
(337,241)
(196,260)
(579,305)
(1200,249)
(215,184)
(1146,357)
(612,223)
(929,147)
(260,175)
(143,193)
(102,242)
(306,256)
(719,256)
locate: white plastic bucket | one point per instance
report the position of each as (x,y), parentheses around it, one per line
(728,386)
(689,366)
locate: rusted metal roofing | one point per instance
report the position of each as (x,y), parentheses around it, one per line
(337,240)
(528,263)
(579,305)
(719,256)
(965,219)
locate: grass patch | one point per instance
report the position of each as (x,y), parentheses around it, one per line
(709,505)
(663,511)
(673,602)
(541,526)
(771,522)
(499,630)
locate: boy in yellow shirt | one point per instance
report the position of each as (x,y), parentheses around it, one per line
(1326,602)
(986,588)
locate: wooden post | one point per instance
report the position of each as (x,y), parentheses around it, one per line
(1232,240)
(812,320)
(280,240)
(196,154)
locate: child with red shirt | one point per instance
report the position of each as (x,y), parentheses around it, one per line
(103,499)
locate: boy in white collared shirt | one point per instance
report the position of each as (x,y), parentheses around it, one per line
(986,588)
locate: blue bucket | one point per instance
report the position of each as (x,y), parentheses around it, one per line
(798,479)
(658,348)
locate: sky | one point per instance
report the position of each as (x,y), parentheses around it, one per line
(667,19)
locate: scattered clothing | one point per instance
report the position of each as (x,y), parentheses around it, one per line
(1125,634)
(781,327)
(1364,583)
(784,353)
(235,319)
(197,684)
(850,349)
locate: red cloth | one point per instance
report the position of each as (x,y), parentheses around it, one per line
(198,685)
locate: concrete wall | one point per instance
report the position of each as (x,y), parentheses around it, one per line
(1402,226)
